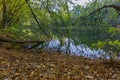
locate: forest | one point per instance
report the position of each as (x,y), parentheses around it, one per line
(59,40)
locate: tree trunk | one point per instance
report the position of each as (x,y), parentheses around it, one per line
(4,14)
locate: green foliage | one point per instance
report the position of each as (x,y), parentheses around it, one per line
(12,12)
(58,21)
(110,47)
(23,33)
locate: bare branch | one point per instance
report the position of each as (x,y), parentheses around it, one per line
(36,19)
(117,8)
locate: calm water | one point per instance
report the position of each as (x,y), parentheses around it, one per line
(77,50)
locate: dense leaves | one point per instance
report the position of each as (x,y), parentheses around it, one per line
(55,19)
(17,64)
(110,47)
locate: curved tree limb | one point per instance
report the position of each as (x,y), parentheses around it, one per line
(117,8)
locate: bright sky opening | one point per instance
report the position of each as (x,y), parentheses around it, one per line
(81,2)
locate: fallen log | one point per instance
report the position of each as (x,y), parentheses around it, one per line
(20,41)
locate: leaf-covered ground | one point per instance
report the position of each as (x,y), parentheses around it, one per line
(29,65)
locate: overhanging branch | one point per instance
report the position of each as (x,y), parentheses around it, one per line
(117,8)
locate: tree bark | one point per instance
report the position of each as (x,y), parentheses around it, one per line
(4,14)
(20,41)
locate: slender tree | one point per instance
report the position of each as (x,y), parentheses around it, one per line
(4,8)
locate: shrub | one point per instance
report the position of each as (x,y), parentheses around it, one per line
(110,47)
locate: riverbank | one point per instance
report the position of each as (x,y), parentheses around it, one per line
(29,65)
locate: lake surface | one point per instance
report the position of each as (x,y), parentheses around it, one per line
(77,50)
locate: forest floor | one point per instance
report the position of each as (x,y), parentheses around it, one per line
(16,64)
